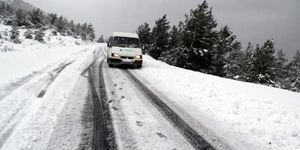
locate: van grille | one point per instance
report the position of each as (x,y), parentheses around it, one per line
(125,57)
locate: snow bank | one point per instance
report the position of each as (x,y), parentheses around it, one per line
(244,115)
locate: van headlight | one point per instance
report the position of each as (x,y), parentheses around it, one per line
(139,56)
(115,55)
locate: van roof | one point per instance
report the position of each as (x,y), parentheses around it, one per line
(124,34)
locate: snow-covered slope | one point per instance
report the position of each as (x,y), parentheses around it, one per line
(18,60)
(19,4)
(244,115)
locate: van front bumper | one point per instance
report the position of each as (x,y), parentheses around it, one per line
(120,61)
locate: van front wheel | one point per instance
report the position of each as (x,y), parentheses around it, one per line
(138,66)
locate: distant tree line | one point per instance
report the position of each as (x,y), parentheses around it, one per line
(198,45)
(37,19)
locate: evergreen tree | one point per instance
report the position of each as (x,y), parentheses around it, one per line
(199,28)
(181,27)
(5,10)
(78,30)
(61,25)
(53,18)
(293,80)
(72,28)
(39,35)
(83,33)
(234,68)
(37,18)
(226,43)
(200,37)
(160,36)
(280,69)
(248,62)
(174,38)
(91,32)
(144,32)
(28,34)
(263,70)
(14,35)
(101,39)
(21,18)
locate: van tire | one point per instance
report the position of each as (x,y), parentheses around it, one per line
(138,66)
(110,65)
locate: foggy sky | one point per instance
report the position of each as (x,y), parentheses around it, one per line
(250,20)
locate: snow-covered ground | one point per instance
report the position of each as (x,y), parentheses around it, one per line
(243,115)
(138,125)
(43,93)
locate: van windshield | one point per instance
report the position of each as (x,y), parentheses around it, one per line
(126,42)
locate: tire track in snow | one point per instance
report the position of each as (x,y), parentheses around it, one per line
(103,135)
(188,132)
(11,121)
(8,89)
(53,75)
(15,85)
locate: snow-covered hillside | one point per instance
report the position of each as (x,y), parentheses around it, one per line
(22,59)
(19,4)
(244,115)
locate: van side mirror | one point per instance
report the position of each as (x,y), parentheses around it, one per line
(108,44)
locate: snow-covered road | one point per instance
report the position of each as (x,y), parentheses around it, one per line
(46,102)
(137,123)
(43,110)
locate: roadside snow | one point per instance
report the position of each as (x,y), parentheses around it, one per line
(244,115)
(31,56)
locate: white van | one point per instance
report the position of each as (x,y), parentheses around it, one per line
(124,48)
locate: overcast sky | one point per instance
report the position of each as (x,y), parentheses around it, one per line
(250,20)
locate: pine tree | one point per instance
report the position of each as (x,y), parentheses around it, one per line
(5,10)
(91,32)
(248,62)
(226,43)
(78,30)
(200,37)
(144,32)
(160,36)
(293,80)
(280,69)
(61,25)
(264,63)
(39,35)
(84,31)
(21,18)
(28,34)
(53,18)
(37,18)
(199,28)
(234,67)
(14,35)
(72,28)
(174,38)
(101,39)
